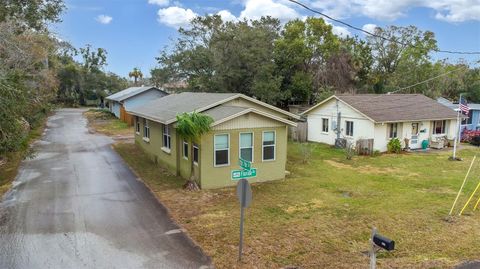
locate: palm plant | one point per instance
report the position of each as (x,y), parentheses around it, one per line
(191,127)
(135,73)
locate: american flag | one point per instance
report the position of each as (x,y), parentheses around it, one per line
(463,105)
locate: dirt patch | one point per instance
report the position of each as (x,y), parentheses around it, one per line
(305,207)
(366,169)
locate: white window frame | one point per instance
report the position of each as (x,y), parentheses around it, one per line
(274,146)
(195,146)
(325,125)
(166,148)
(185,156)
(390,126)
(215,151)
(351,129)
(444,127)
(146,129)
(240,145)
(137,125)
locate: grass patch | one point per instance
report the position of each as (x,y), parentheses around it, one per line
(322,215)
(10,164)
(105,122)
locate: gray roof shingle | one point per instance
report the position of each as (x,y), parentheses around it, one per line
(167,108)
(398,107)
(129,92)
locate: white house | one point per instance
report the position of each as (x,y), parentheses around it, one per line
(131,97)
(412,118)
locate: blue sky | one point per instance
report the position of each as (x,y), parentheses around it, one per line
(135,31)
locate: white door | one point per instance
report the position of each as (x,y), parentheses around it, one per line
(415,142)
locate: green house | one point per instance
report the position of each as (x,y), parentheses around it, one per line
(243,126)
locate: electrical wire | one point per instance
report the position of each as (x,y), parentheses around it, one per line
(375,35)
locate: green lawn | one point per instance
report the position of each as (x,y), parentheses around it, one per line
(321,215)
(103,121)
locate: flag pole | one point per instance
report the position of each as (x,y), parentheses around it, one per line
(457,135)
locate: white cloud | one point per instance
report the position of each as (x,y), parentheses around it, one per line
(369,27)
(447,10)
(161,3)
(104,19)
(226,15)
(341,31)
(255,9)
(175,16)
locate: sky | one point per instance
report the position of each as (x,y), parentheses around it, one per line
(135,31)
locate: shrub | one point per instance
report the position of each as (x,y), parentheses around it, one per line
(376,153)
(475,140)
(306,150)
(349,150)
(394,146)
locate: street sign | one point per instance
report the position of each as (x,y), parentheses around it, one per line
(244,188)
(244,194)
(239,174)
(244,164)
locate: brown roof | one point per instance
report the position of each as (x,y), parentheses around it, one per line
(398,107)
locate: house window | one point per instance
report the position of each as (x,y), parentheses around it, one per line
(349,128)
(166,137)
(268,146)
(195,153)
(439,127)
(222,149)
(137,124)
(469,119)
(185,149)
(146,129)
(324,125)
(246,146)
(393,130)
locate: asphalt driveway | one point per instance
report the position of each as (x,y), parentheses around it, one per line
(78,205)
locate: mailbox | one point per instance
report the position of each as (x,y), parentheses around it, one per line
(383,242)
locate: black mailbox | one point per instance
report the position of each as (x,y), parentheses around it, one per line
(383,242)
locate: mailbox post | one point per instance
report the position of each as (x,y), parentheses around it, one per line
(378,242)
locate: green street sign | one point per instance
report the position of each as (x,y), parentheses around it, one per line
(239,174)
(244,164)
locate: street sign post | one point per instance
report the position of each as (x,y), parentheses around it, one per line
(239,174)
(244,194)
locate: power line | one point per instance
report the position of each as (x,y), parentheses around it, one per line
(427,80)
(375,35)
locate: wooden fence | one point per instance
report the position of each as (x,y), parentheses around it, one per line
(364,146)
(299,133)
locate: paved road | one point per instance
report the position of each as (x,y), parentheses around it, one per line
(77,205)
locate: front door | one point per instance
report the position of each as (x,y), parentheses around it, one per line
(414,140)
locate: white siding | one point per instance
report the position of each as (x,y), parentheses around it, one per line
(363,128)
(116,108)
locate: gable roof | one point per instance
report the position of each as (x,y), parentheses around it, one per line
(166,109)
(130,92)
(454,106)
(395,107)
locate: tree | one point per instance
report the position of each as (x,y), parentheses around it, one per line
(135,73)
(401,56)
(191,127)
(301,54)
(216,56)
(31,14)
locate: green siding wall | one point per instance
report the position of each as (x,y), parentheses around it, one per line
(214,177)
(210,176)
(154,147)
